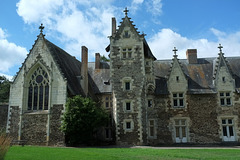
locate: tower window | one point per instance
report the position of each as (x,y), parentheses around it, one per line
(127,85)
(128,106)
(127,53)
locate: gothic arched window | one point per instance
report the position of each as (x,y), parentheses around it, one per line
(38,90)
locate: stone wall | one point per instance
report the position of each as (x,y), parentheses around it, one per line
(34,127)
(202,112)
(3,117)
(13,122)
(56,137)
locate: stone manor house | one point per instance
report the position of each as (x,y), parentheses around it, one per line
(150,102)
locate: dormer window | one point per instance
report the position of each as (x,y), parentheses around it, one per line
(223,79)
(126,34)
(225,99)
(177,78)
(178,100)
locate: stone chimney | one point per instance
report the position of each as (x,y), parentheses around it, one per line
(113,25)
(192,56)
(97,61)
(84,70)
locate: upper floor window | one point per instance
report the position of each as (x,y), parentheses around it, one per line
(127,86)
(127,83)
(150,102)
(127,53)
(128,106)
(178,100)
(225,98)
(107,101)
(38,90)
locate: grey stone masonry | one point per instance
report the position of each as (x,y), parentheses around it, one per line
(3,117)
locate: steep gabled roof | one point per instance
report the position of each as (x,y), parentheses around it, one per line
(69,66)
(200,76)
(221,61)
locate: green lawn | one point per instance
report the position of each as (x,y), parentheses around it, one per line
(52,153)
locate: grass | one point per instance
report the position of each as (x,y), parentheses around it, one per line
(50,153)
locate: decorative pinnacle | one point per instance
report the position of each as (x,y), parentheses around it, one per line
(126,11)
(175,51)
(220,48)
(41,28)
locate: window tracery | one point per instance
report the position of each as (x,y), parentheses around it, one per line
(38,90)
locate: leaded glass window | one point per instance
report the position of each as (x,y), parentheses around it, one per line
(38,90)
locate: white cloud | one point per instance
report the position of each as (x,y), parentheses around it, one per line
(137,1)
(2,34)
(11,54)
(78,22)
(163,42)
(154,7)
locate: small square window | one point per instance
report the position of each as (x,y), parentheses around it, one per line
(150,103)
(124,55)
(177,78)
(180,95)
(128,106)
(224,121)
(128,125)
(129,54)
(227,94)
(181,102)
(221,94)
(127,85)
(223,79)
(175,103)
(106,104)
(222,101)
(228,101)
(174,95)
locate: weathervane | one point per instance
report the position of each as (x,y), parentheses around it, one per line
(175,51)
(41,28)
(126,11)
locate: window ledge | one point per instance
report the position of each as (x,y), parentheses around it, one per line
(28,112)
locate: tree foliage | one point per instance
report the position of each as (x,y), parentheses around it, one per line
(4,89)
(104,59)
(81,120)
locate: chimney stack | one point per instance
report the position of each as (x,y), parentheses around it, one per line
(113,25)
(97,61)
(192,56)
(84,70)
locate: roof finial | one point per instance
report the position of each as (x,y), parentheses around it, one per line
(41,28)
(175,51)
(220,48)
(126,11)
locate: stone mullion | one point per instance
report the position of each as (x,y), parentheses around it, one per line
(38,96)
(43,104)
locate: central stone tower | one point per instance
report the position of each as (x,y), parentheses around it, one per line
(132,79)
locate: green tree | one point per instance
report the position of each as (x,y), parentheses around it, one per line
(81,120)
(104,59)
(4,89)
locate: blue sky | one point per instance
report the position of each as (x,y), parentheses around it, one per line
(200,24)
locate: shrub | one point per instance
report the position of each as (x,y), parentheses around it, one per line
(5,141)
(81,120)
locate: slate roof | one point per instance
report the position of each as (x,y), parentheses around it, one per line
(101,77)
(69,66)
(199,76)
